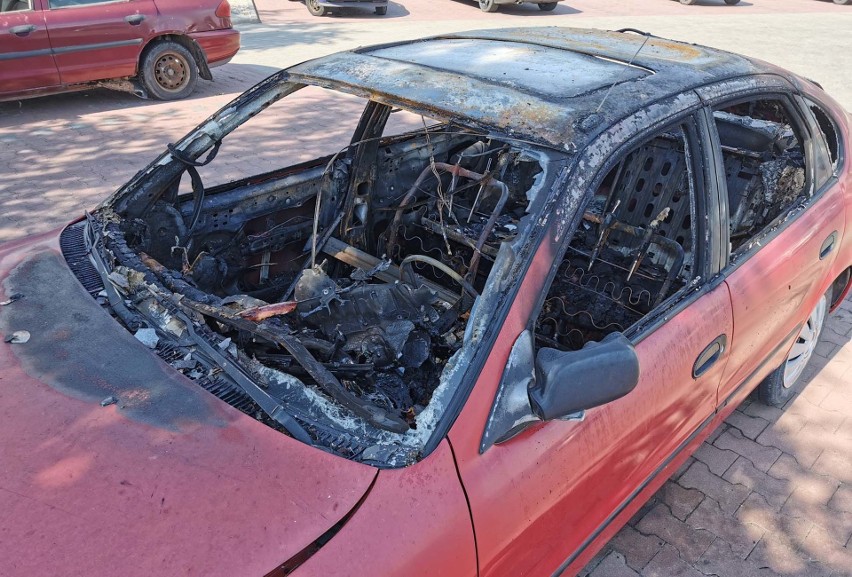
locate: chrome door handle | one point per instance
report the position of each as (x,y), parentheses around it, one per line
(22,30)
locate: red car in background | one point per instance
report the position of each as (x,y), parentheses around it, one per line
(154,49)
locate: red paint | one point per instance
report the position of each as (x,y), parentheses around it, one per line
(563,479)
(85,491)
(73,46)
(415,522)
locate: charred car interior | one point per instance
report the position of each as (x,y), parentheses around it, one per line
(633,249)
(336,299)
(636,245)
(327,299)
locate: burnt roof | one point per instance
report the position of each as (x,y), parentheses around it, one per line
(532,83)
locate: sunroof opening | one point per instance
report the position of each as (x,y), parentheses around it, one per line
(517,65)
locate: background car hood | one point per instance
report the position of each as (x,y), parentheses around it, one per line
(168,481)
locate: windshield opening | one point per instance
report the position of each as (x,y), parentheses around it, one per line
(329,297)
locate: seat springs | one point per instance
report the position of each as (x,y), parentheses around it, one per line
(626,297)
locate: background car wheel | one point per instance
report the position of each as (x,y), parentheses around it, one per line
(381,10)
(687,2)
(547,7)
(168,71)
(487,6)
(777,388)
(315,8)
(732,2)
(842,1)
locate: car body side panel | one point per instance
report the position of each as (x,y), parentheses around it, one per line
(774,290)
(219,46)
(536,497)
(182,16)
(26,61)
(95,42)
(844,174)
(414,522)
(168,480)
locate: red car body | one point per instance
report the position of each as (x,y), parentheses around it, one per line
(54,46)
(114,463)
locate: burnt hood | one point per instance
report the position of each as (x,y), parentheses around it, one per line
(165,480)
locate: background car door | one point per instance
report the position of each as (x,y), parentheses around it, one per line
(779,267)
(96,40)
(25,59)
(540,498)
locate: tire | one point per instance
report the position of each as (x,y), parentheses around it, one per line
(315,8)
(381,10)
(732,2)
(549,7)
(487,6)
(842,1)
(168,71)
(688,2)
(777,388)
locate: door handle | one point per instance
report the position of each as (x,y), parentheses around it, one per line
(134,19)
(22,30)
(828,245)
(709,356)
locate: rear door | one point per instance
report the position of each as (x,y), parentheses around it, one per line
(538,499)
(783,226)
(25,59)
(97,40)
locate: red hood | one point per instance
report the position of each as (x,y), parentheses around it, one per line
(168,481)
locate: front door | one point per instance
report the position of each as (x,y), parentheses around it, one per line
(634,265)
(97,40)
(26,62)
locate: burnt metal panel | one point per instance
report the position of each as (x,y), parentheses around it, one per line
(438,76)
(516,66)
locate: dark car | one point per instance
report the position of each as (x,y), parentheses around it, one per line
(321,7)
(474,346)
(494,5)
(153,48)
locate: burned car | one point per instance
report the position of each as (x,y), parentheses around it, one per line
(473,338)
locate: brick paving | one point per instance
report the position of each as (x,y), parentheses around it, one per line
(768,494)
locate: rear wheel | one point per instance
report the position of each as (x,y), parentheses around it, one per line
(315,8)
(487,6)
(381,10)
(843,1)
(687,2)
(777,388)
(732,2)
(168,71)
(547,7)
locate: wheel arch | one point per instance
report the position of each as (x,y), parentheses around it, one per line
(186,42)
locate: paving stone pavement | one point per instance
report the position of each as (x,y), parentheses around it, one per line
(768,494)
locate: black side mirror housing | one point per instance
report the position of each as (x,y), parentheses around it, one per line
(557,384)
(568,382)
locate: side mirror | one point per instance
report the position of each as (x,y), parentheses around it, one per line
(572,381)
(558,384)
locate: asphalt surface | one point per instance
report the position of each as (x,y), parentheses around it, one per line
(769,494)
